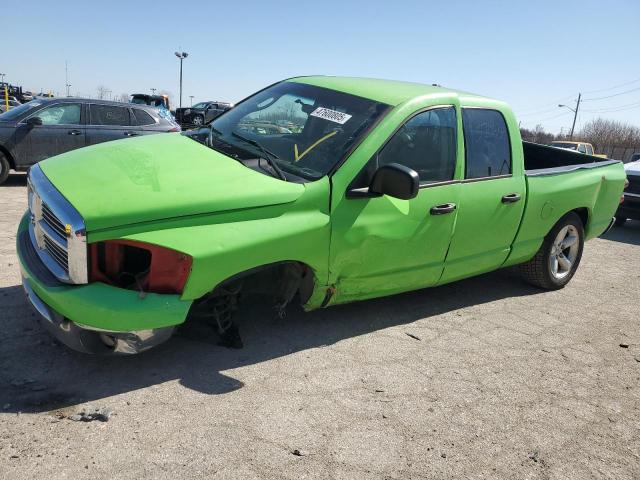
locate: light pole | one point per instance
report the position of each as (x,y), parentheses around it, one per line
(2,75)
(181,56)
(575,114)
(191,97)
(153,91)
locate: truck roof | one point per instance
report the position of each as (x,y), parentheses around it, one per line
(391,92)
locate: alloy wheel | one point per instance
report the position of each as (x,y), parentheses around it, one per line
(564,251)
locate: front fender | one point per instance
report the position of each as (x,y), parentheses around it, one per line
(298,232)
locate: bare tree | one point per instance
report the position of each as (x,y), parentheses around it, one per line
(603,133)
(102,92)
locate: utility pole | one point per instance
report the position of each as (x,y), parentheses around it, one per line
(191,97)
(66,78)
(575,114)
(181,56)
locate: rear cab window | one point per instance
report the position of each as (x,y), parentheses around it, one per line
(487,145)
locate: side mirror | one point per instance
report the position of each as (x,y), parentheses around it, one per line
(33,121)
(396,181)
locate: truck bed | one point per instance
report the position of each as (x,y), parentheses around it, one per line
(558,182)
(545,160)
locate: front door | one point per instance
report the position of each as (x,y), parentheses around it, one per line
(61,131)
(492,197)
(383,245)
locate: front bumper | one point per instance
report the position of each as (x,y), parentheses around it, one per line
(95,317)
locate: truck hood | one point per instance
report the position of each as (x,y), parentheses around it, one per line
(157,177)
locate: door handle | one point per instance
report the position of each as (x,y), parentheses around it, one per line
(74,132)
(443,209)
(130,134)
(511,198)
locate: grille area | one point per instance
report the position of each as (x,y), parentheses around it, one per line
(56,230)
(58,253)
(634,184)
(50,219)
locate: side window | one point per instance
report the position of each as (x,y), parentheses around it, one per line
(427,144)
(109,115)
(142,117)
(582,148)
(487,145)
(589,149)
(61,114)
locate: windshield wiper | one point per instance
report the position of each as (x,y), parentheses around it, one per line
(270,157)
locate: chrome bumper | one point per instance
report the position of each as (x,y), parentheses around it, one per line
(87,340)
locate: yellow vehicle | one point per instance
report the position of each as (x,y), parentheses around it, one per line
(579,147)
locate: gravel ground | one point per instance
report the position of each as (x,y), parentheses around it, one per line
(485,378)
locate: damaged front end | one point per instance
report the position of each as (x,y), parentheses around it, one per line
(89,339)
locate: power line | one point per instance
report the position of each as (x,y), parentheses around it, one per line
(611,96)
(617,108)
(555,116)
(614,87)
(537,110)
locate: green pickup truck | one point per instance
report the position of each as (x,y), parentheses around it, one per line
(365,188)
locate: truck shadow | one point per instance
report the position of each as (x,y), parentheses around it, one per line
(15,180)
(629,233)
(38,375)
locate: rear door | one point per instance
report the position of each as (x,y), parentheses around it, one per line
(492,196)
(109,122)
(62,130)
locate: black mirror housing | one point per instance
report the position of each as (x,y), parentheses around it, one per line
(395,180)
(33,121)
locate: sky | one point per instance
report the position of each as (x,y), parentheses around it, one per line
(531,54)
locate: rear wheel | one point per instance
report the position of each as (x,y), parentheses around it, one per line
(558,258)
(4,168)
(620,221)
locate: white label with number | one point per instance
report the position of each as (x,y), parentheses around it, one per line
(331,115)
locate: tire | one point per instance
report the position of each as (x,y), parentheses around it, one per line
(620,221)
(197,120)
(553,267)
(4,168)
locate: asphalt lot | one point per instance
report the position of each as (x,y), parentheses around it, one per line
(485,378)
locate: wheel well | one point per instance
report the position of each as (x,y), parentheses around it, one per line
(280,280)
(6,153)
(583,213)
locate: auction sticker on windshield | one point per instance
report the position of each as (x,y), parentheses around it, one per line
(331,115)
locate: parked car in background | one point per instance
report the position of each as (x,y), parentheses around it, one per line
(201,113)
(12,104)
(630,206)
(578,147)
(387,187)
(152,100)
(43,128)
(635,157)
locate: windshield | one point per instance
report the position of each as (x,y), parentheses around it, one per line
(570,146)
(16,112)
(309,129)
(200,105)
